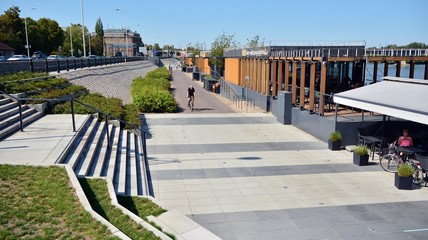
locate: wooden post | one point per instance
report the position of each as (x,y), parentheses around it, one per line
(287,75)
(412,69)
(385,69)
(322,87)
(293,82)
(280,75)
(426,70)
(398,72)
(302,84)
(275,77)
(267,77)
(312,88)
(375,66)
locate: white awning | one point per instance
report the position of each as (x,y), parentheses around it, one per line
(397,97)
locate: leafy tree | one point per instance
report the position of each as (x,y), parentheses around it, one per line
(76,37)
(12,29)
(222,42)
(416,45)
(255,42)
(52,35)
(156,46)
(97,40)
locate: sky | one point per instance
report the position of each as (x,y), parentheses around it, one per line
(191,22)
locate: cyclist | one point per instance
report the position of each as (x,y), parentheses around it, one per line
(190,95)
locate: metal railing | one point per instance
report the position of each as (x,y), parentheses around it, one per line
(141,134)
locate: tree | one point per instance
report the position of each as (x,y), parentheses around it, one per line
(253,43)
(12,29)
(52,35)
(97,40)
(222,42)
(76,37)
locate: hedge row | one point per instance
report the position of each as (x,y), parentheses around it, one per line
(21,76)
(18,87)
(151,93)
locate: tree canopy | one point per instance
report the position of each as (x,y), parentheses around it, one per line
(222,42)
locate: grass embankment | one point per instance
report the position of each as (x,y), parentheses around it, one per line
(152,92)
(59,87)
(97,194)
(39,203)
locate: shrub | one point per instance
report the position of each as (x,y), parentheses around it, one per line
(335,136)
(57,93)
(155,100)
(151,93)
(131,114)
(112,106)
(405,170)
(361,150)
(40,85)
(20,76)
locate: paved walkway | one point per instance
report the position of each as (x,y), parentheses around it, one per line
(110,80)
(245,176)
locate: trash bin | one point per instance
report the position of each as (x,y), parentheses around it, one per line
(201,76)
(195,76)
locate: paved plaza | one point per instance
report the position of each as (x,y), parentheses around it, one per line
(244,175)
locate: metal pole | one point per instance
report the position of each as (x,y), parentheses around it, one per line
(26,37)
(20,116)
(71,42)
(72,115)
(83,28)
(126,32)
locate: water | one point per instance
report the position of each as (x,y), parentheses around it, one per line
(392,68)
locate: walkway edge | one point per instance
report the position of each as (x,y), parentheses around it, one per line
(87,206)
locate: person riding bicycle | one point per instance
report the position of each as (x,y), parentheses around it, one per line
(190,95)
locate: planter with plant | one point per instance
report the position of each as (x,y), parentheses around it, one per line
(335,141)
(361,155)
(404,177)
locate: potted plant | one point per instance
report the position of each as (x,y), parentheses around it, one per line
(335,141)
(361,155)
(404,177)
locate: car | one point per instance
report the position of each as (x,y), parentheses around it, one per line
(38,55)
(3,58)
(18,57)
(50,57)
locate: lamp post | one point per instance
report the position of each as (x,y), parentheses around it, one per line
(71,41)
(126,31)
(26,35)
(83,28)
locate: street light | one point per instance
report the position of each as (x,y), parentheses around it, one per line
(83,28)
(126,31)
(26,35)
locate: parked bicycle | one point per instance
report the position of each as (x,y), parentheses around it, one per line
(391,160)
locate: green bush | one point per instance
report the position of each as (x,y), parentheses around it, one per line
(20,76)
(159,73)
(151,93)
(361,150)
(131,114)
(405,170)
(335,136)
(18,87)
(57,93)
(111,106)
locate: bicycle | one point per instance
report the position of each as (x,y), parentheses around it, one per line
(390,162)
(190,103)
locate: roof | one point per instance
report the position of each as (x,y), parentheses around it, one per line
(398,97)
(5,47)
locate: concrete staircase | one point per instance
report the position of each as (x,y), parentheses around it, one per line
(9,116)
(91,155)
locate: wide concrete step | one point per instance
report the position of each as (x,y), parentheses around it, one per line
(110,165)
(119,180)
(4,101)
(101,156)
(13,126)
(10,112)
(26,111)
(7,105)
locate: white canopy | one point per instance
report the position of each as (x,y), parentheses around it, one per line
(397,97)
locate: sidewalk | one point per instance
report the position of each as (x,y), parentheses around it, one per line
(246,176)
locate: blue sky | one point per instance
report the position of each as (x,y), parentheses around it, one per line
(181,23)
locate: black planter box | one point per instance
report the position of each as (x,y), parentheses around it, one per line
(361,160)
(405,183)
(334,146)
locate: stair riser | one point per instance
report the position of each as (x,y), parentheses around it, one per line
(4,133)
(4,124)
(8,106)
(11,112)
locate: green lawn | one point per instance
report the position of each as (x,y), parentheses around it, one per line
(97,194)
(39,203)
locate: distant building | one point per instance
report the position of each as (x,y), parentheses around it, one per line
(115,42)
(6,50)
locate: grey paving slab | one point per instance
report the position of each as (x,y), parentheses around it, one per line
(110,81)
(264,180)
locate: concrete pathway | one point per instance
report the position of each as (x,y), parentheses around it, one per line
(42,142)
(245,176)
